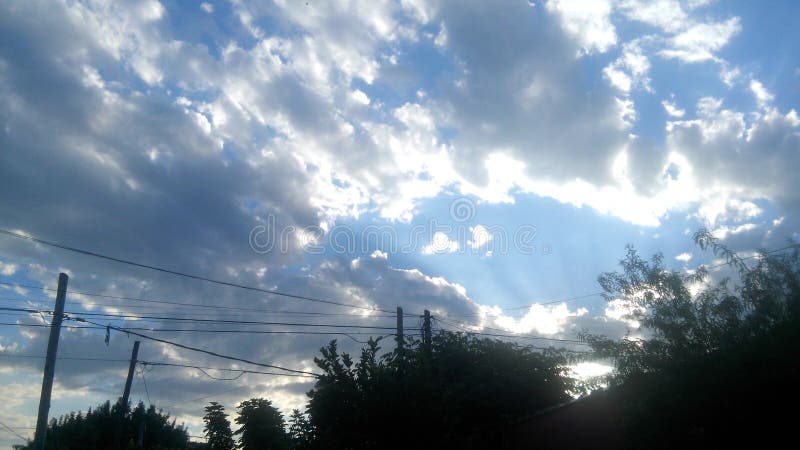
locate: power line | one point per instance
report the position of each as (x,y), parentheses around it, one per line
(599,293)
(13,432)
(195,320)
(183,274)
(144,381)
(182,303)
(757,255)
(517,336)
(556,301)
(72,358)
(227,391)
(203,330)
(195,349)
(223,369)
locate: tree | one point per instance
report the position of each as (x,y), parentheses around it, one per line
(218,428)
(99,429)
(261,426)
(300,431)
(716,362)
(462,388)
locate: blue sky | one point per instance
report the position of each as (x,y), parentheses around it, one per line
(174,133)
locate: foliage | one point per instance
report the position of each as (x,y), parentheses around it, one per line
(218,428)
(439,396)
(106,428)
(713,357)
(261,426)
(300,431)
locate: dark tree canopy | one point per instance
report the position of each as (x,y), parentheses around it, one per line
(218,428)
(105,428)
(461,386)
(261,426)
(716,365)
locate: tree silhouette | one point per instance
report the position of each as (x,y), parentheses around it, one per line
(716,362)
(261,426)
(463,386)
(98,429)
(218,428)
(300,431)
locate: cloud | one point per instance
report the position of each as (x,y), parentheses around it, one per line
(732,155)
(668,15)
(763,97)
(124,133)
(542,319)
(700,42)
(440,243)
(629,70)
(685,257)
(7,269)
(587,22)
(480,236)
(671,109)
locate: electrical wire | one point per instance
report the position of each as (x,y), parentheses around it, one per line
(13,431)
(181,303)
(227,391)
(517,336)
(203,368)
(184,274)
(195,320)
(188,347)
(71,358)
(599,293)
(196,330)
(144,382)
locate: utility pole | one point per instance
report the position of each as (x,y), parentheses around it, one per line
(50,363)
(426,330)
(399,329)
(131,368)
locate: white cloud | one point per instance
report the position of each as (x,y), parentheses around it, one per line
(664,14)
(738,161)
(543,319)
(480,236)
(672,109)
(624,311)
(629,70)
(207,7)
(589,369)
(588,22)
(440,243)
(359,96)
(762,95)
(729,75)
(685,257)
(724,232)
(8,269)
(701,41)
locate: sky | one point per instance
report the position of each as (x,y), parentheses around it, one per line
(483,160)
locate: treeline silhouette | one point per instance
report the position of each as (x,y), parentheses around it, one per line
(712,365)
(719,363)
(423,396)
(105,427)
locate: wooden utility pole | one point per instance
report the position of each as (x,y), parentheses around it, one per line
(50,363)
(426,330)
(399,329)
(131,368)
